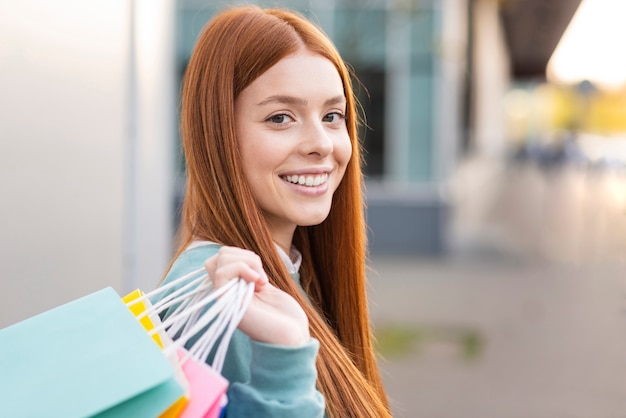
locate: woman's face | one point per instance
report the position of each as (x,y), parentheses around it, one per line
(292,135)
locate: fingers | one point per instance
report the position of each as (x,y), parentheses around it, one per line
(231,262)
(273,316)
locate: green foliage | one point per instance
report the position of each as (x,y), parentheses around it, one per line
(399,340)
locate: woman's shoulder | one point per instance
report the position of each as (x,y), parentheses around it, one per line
(192,259)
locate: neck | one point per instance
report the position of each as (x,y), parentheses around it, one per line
(284,245)
(282,236)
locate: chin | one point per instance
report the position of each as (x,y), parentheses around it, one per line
(314,220)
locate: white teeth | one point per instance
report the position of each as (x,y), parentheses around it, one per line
(320,179)
(309,181)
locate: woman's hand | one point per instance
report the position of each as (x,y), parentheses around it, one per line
(273,316)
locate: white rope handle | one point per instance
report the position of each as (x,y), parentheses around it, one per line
(196,305)
(220,355)
(193,306)
(226,307)
(209,338)
(167,286)
(185,325)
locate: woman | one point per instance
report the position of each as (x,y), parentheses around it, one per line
(269,130)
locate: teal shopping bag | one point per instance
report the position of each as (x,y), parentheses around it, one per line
(89,357)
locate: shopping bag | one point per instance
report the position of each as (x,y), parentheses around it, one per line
(89,357)
(207,388)
(197,320)
(143,311)
(138,308)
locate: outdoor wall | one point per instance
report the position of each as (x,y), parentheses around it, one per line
(83,171)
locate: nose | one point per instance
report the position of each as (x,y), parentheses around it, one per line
(316,140)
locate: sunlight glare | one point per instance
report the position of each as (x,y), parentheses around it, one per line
(591,47)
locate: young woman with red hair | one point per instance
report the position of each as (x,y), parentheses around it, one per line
(274,196)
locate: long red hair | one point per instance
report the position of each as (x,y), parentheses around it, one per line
(233,50)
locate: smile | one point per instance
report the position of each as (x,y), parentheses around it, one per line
(309,181)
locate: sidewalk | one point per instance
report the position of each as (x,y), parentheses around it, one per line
(530,323)
(552,339)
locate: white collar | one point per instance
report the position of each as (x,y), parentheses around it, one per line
(291,261)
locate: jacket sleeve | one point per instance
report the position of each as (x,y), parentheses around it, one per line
(282,384)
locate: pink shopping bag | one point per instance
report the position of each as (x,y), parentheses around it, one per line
(207,388)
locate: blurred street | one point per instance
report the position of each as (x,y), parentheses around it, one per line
(526,317)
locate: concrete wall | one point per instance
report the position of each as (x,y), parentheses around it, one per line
(76,108)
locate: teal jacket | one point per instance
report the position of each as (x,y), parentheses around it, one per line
(265,380)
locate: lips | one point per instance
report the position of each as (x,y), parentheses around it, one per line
(312,180)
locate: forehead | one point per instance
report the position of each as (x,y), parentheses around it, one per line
(300,74)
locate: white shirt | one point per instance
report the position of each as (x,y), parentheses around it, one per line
(293,261)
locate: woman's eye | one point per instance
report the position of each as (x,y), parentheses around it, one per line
(334,117)
(279,119)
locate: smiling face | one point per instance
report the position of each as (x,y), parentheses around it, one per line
(294,144)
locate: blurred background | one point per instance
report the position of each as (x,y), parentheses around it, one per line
(495,182)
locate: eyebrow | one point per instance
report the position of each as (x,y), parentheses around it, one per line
(291,100)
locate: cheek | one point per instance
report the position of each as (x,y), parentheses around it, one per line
(343,154)
(260,157)
(252,148)
(344,151)
(252,166)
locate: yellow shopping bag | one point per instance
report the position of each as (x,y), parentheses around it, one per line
(139,308)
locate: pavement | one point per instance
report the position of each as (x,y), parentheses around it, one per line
(522,318)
